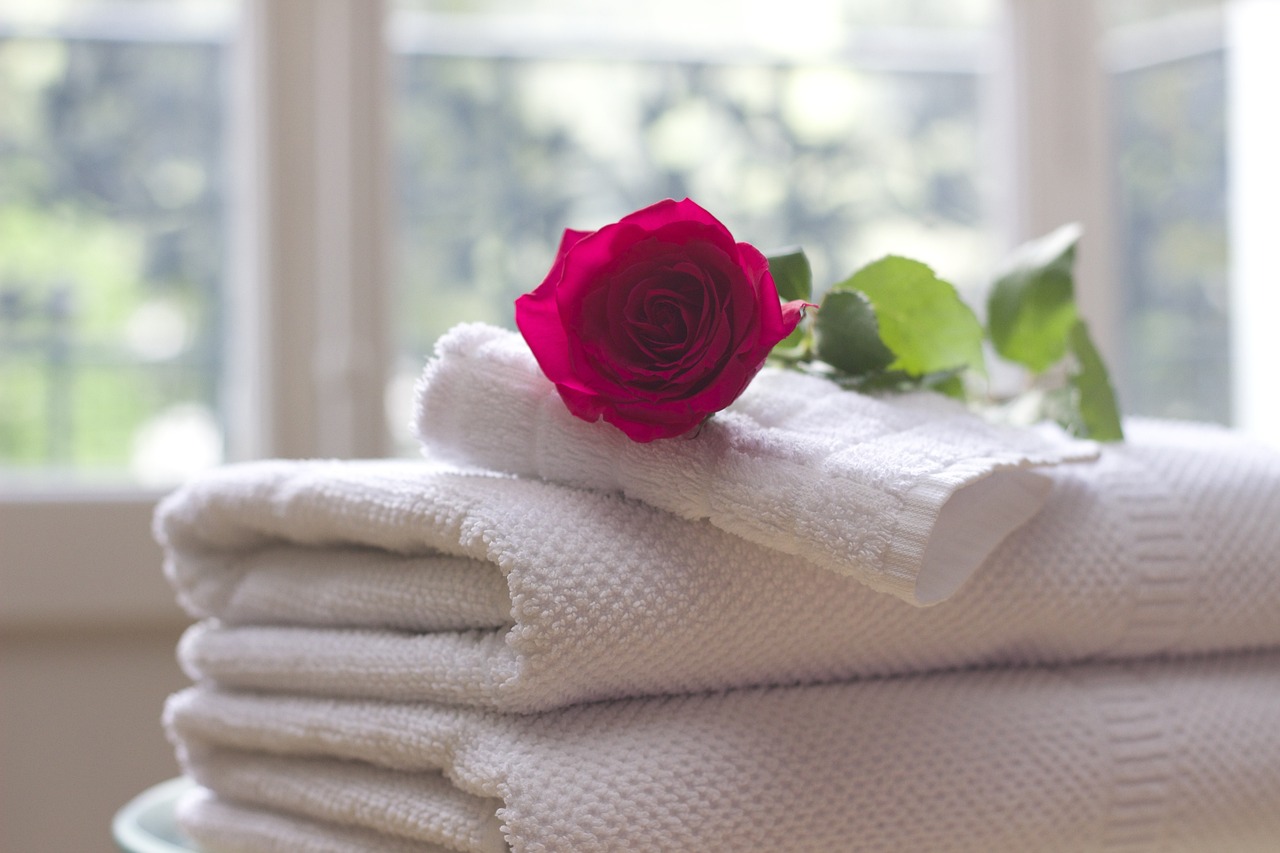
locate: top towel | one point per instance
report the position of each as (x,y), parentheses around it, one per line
(907,494)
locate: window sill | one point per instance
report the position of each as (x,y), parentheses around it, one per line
(80,562)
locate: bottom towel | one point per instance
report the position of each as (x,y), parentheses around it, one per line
(1169,756)
(232,828)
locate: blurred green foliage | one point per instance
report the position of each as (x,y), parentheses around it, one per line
(112,208)
(1170,141)
(111,244)
(496,157)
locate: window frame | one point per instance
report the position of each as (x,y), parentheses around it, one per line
(311,233)
(308,297)
(1050,148)
(310,283)
(1253,136)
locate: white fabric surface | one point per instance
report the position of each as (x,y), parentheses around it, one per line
(229,827)
(404,581)
(348,586)
(1168,757)
(862,486)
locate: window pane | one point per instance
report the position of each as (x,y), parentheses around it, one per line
(112,199)
(862,144)
(1168,97)
(1121,12)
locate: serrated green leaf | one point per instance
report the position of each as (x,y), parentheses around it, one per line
(791,274)
(1095,397)
(846,335)
(1031,310)
(922,319)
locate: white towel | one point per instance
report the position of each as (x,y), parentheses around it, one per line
(226,826)
(347,586)
(1167,757)
(907,494)
(521,595)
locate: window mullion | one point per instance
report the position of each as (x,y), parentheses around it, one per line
(1254,193)
(311,229)
(1049,110)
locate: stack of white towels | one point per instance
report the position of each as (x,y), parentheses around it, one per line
(823,623)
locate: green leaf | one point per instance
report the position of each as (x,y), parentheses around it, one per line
(846,335)
(794,280)
(1095,397)
(791,274)
(950,384)
(922,319)
(795,348)
(1031,311)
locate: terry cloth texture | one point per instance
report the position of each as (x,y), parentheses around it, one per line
(229,827)
(907,494)
(411,581)
(1155,756)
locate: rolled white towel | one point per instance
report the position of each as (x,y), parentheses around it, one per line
(1168,757)
(907,494)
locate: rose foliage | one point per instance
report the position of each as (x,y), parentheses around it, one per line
(655,322)
(894,325)
(661,319)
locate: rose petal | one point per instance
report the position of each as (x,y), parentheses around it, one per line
(569,239)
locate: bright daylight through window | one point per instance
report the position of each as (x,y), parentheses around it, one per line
(112,239)
(855,128)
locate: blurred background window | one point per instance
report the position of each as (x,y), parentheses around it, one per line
(851,128)
(1166,65)
(234,228)
(855,128)
(112,239)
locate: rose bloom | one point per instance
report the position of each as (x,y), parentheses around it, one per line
(655,322)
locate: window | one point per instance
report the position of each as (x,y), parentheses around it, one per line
(235,229)
(150,299)
(112,239)
(1167,85)
(232,229)
(849,128)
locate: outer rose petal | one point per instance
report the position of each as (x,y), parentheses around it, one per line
(568,239)
(538,319)
(792,314)
(602,328)
(683,215)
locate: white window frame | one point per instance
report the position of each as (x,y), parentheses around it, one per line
(311,231)
(1050,148)
(309,307)
(1253,27)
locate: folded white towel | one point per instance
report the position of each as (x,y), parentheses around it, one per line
(404,581)
(1174,756)
(907,494)
(226,826)
(347,586)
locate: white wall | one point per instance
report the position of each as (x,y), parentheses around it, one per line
(87,635)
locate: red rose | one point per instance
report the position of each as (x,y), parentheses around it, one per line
(656,321)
